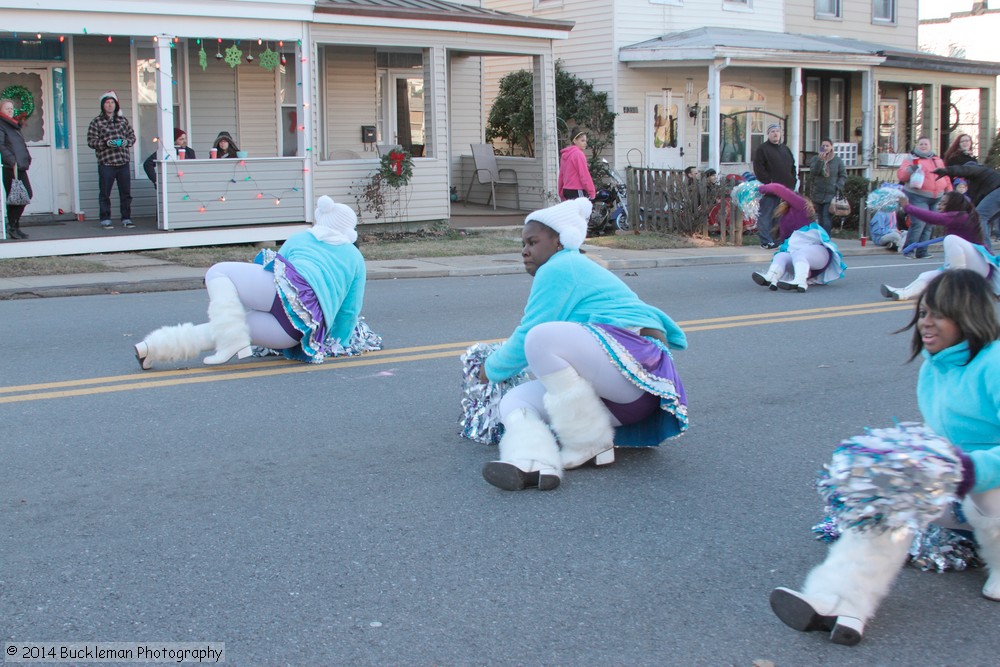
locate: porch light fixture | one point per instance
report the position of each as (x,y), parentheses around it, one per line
(693,110)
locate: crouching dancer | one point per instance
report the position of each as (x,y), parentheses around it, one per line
(305,300)
(600,356)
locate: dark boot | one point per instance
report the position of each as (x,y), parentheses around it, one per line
(10,231)
(15,231)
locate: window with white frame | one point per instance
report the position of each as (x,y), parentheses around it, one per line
(548,4)
(884,11)
(737,4)
(147,72)
(828,9)
(288,104)
(836,111)
(812,121)
(741,128)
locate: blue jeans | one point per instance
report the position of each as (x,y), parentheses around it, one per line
(765,219)
(920,230)
(988,208)
(108,176)
(823,215)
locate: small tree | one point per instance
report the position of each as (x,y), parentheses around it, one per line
(993,157)
(512,116)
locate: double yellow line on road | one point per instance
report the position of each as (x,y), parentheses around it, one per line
(280,366)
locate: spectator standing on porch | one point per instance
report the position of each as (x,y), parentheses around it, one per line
(772,163)
(828,178)
(111,137)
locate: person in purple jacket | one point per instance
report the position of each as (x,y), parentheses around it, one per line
(963,245)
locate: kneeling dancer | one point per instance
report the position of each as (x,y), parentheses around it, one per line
(305,300)
(600,354)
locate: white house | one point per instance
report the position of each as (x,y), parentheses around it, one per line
(696,82)
(309,89)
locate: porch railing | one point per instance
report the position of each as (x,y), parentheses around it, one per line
(230,192)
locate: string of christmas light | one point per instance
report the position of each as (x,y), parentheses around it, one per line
(203,205)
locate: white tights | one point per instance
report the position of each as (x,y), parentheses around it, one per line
(800,262)
(958,254)
(553,346)
(257,291)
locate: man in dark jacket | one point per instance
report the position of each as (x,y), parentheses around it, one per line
(984,191)
(110,136)
(772,163)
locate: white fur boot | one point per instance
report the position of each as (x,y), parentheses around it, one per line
(228,321)
(581,421)
(842,593)
(529,455)
(987,531)
(175,343)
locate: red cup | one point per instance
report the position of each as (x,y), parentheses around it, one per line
(214,153)
(80,217)
(864,241)
(181,153)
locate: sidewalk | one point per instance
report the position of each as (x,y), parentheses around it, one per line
(130,273)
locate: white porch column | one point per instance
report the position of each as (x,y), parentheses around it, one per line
(546,134)
(867,153)
(714,122)
(304,68)
(795,123)
(165,98)
(436,103)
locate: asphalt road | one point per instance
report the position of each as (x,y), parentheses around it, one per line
(331,515)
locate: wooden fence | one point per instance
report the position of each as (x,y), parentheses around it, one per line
(663,200)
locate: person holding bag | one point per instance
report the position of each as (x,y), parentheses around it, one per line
(923,188)
(16,160)
(828,178)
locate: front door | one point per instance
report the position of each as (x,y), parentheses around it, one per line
(664,131)
(31,88)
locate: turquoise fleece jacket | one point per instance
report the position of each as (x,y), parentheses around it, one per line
(569,287)
(962,403)
(336,273)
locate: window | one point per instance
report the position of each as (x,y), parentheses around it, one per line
(888,126)
(812,121)
(400,101)
(146,73)
(288,111)
(828,9)
(742,125)
(835,111)
(884,11)
(737,4)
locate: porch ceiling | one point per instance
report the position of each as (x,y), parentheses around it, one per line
(436,10)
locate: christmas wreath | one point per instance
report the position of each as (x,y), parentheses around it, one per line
(396,167)
(22,95)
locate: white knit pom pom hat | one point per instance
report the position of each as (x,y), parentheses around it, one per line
(568,219)
(335,223)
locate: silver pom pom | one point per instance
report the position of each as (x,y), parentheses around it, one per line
(481,402)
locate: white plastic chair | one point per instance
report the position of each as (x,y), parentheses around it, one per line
(488,173)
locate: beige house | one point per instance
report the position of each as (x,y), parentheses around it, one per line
(696,82)
(313,92)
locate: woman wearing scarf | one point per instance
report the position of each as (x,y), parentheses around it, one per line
(15,155)
(923,188)
(601,356)
(305,300)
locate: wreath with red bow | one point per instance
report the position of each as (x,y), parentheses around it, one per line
(396,167)
(22,95)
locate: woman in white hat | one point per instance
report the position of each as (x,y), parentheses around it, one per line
(304,300)
(604,372)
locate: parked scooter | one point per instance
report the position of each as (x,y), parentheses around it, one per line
(610,206)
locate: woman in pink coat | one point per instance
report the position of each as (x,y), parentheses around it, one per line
(923,188)
(574,176)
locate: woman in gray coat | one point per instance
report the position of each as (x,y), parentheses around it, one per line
(828,178)
(14,151)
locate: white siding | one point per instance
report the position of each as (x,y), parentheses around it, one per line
(856,22)
(258,111)
(421,200)
(212,102)
(468,118)
(348,97)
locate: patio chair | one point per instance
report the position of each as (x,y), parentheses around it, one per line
(487,173)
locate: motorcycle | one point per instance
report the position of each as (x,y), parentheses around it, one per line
(610,206)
